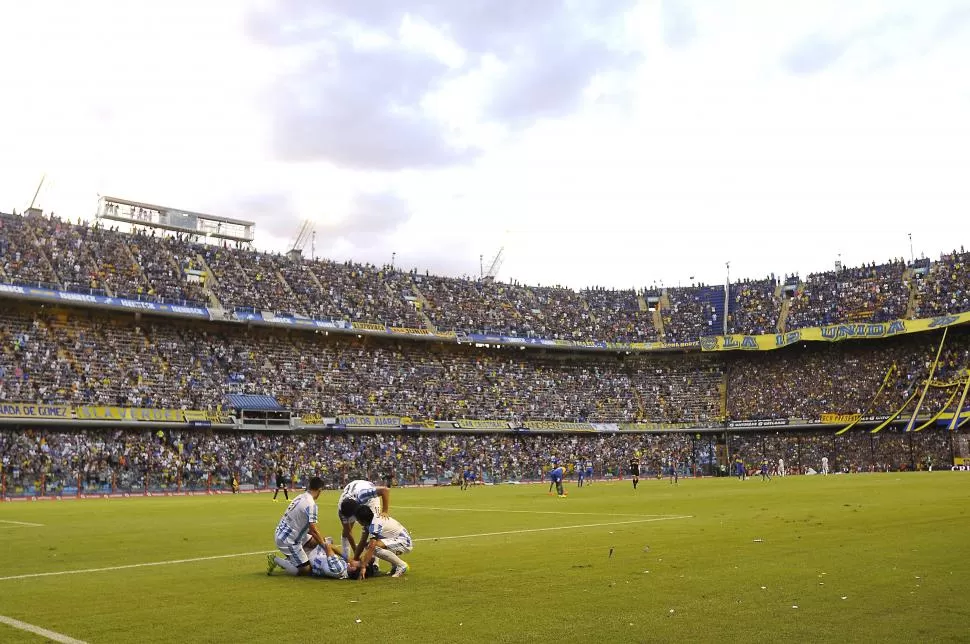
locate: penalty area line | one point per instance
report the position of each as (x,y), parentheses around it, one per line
(37,630)
(263,552)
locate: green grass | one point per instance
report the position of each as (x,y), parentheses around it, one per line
(882,557)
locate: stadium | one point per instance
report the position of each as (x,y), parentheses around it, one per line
(484,321)
(151,363)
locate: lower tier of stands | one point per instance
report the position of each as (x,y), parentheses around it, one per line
(95,462)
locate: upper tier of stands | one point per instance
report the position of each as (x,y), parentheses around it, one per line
(47,251)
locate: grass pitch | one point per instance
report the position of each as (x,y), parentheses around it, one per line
(879,557)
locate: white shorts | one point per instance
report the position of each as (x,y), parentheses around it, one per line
(400,545)
(293,552)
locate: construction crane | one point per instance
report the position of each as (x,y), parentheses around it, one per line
(496,263)
(37,193)
(304,235)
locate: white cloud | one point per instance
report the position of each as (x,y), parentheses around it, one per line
(776,136)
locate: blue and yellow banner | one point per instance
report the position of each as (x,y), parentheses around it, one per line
(831,333)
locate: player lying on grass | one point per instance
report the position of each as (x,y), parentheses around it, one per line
(297,527)
(327,561)
(357,494)
(386,539)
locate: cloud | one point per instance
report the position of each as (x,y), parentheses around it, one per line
(372,218)
(679,28)
(362,110)
(877,41)
(364,75)
(276,217)
(553,85)
(814,54)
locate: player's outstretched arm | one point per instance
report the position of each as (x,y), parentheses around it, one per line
(314,533)
(368,556)
(385,494)
(359,548)
(349,536)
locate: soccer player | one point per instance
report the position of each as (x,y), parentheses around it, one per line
(674,474)
(281,484)
(764,471)
(580,473)
(739,469)
(355,494)
(298,523)
(589,472)
(386,539)
(825,465)
(555,478)
(467,478)
(781,467)
(635,470)
(325,561)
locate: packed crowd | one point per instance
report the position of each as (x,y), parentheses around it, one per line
(946,287)
(693,312)
(755,309)
(890,450)
(807,381)
(874,293)
(90,357)
(99,461)
(49,251)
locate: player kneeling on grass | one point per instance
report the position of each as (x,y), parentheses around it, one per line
(297,528)
(386,539)
(356,494)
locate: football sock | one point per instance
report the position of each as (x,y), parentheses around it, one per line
(388,556)
(287,566)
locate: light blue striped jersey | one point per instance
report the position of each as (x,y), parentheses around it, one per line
(296,521)
(332,566)
(365,493)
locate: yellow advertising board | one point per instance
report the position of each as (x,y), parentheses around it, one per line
(33,410)
(831,333)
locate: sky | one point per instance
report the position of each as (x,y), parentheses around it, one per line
(615,143)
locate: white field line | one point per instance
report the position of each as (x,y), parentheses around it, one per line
(263,552)
(37,630)
(21,524)
(599,514)
(561,527)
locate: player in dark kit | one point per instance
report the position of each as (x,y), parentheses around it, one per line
(281,484)
(635,471)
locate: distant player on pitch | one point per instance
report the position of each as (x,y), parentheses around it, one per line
(635,470)
(555,478)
